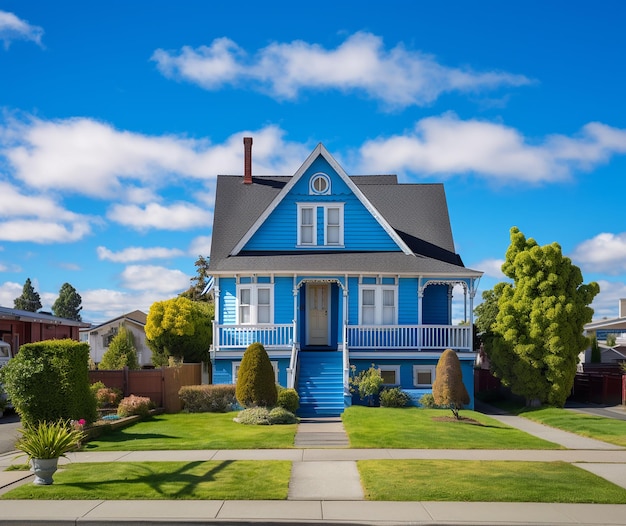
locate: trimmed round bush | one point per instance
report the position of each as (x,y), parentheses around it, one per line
(135,405)
(288,399)
(394,397)
(262,416)
(280,415)
(428,401)
(255,382)
(208,398)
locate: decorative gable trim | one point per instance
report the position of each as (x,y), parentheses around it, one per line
(320,149)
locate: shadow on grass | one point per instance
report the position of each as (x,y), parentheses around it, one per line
(158,482)
(117,437)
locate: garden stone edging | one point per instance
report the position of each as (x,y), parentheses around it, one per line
(99,429)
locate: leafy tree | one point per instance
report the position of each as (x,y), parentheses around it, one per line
(121,352)
(68,304)
(611,340)
(448,387)
(596,354)
(199,282)
(256,386)
(179,328)
(486,314)
(29,300)
(540,320)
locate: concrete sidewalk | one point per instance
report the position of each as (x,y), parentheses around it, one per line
(325,487)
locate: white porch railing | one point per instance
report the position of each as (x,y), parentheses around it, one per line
(279,336)
(418,337)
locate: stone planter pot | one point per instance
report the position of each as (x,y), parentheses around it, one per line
(44,469)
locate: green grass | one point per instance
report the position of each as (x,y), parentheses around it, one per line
(232,480)
(405,428)
(598,427)
(194,431)
(481,481)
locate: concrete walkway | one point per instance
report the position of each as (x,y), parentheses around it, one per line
(325,487)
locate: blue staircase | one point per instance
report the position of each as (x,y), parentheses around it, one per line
(320,383)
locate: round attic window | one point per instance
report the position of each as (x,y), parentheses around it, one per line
(320,184)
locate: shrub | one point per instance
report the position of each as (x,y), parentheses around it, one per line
(448,387)
(288,399)
(428,401)
(208,398)
(255,382)
(394,397)
(46,440)
(135,405)
(108,397)
(121,352)
(49,381)
(262,416)
(368,383)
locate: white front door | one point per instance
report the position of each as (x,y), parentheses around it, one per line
(318,304)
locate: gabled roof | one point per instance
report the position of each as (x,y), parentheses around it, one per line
(415,215)
(320,150)
(136,316)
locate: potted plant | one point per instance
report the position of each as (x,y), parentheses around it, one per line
(44,443)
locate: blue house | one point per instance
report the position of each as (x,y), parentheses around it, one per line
(330,271)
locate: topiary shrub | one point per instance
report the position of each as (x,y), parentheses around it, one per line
(448,387)
(135,405)
(49,381)
(208,398)
(394,397)
(255,382)
(288,399)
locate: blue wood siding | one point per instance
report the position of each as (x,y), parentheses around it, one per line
(223,370)
(435,305)
(283,300)
(407,302)
(228,301)
(279,232)
(353,301)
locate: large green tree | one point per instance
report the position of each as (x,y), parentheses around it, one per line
(29,300)
(538,330)
(121,353)
(179,328)
(68,304)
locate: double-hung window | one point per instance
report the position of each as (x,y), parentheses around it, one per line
(307,225)
(378,305)
(332,216)
(255,302)
(333,222)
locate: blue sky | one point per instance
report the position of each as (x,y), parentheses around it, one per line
(116,117)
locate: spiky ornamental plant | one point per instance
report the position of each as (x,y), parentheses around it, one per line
(46,440)
(256,384)
(448,388)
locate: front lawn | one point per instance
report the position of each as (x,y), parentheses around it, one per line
(194,431)
(482,481)
(212,480)
(598,427)
(411,427)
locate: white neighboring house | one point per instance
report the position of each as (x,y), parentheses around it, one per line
(100,336)
(601,329)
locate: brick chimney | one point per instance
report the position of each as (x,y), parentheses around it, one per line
(247,160)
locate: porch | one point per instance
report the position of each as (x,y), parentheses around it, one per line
(357,337)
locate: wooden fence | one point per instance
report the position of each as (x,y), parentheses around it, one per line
(160,385)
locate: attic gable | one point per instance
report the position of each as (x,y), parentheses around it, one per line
(322,159)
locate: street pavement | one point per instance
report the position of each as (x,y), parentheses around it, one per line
(325,487)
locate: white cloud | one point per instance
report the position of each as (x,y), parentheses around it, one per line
(132,254)
(159,280)
(605,252)
(100,305)
(39,231)
(447,145)
(179,216)
(491,268)
(14,28)
(200,246)
(88,157)
(398,77)
(606,303)
(9,290)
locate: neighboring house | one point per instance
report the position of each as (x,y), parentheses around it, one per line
(330,271)
(18,327)
(601,330)
(100,336)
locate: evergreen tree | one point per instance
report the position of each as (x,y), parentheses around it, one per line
(29,300)
(448,387)
(256,382)
(199,282)
(539,324)
(68,304)
(121,352)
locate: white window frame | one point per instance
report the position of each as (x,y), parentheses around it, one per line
(378,303)
(315,177)
(338,206)
(254,303)
(422,368)
(236,365)
(395,369)
(313,207)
